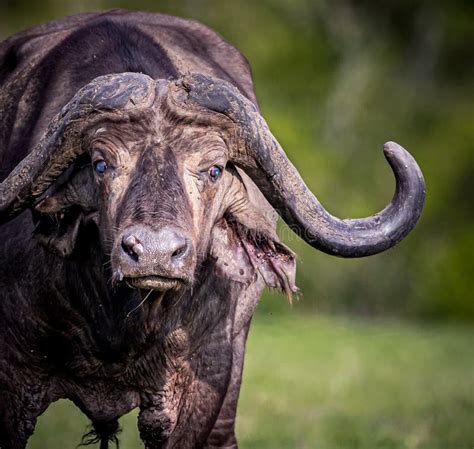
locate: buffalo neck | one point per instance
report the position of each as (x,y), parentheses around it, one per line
(93,326)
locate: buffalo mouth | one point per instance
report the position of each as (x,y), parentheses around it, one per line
(154,282)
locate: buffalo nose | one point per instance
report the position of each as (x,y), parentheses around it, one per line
(167,248)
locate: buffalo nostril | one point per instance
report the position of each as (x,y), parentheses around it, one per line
(130,240)
(178,252)
(132,246)
(138,249)
(181,249)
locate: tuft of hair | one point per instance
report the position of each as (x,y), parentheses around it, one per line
(102,433)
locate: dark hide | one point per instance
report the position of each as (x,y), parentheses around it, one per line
(70,326)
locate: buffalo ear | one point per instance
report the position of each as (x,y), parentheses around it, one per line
(59,233)
(252,247)
(63,208)
(268,257)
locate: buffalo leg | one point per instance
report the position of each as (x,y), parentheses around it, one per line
(223,432)
(177,422)
(18,416)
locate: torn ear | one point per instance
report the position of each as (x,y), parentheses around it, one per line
(250,224)
(272,260)
(62,209)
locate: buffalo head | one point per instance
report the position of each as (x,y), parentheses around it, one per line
(157,165)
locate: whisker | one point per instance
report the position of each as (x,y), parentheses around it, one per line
(111,280)
(141,303)
(180,298)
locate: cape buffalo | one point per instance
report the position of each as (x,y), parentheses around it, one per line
(137,212)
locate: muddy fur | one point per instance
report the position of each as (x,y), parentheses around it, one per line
(72,324)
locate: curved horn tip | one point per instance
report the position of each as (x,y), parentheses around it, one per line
(393,149)
(402,161)
(395,152)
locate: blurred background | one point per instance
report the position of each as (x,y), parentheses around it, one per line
(377,353)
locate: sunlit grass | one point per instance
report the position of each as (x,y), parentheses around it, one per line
(333,383)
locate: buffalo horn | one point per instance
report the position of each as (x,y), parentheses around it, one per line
(61,144)
(265,161)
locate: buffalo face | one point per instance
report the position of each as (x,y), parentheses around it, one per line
(160,166)
(160,189)
(159,186)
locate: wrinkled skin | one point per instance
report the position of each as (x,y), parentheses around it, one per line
(136,236)
(79,317)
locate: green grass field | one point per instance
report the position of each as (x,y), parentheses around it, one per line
(334,383)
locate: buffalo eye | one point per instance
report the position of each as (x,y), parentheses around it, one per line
(100,166)
(215,172)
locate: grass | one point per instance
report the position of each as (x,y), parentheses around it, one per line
(333,383)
